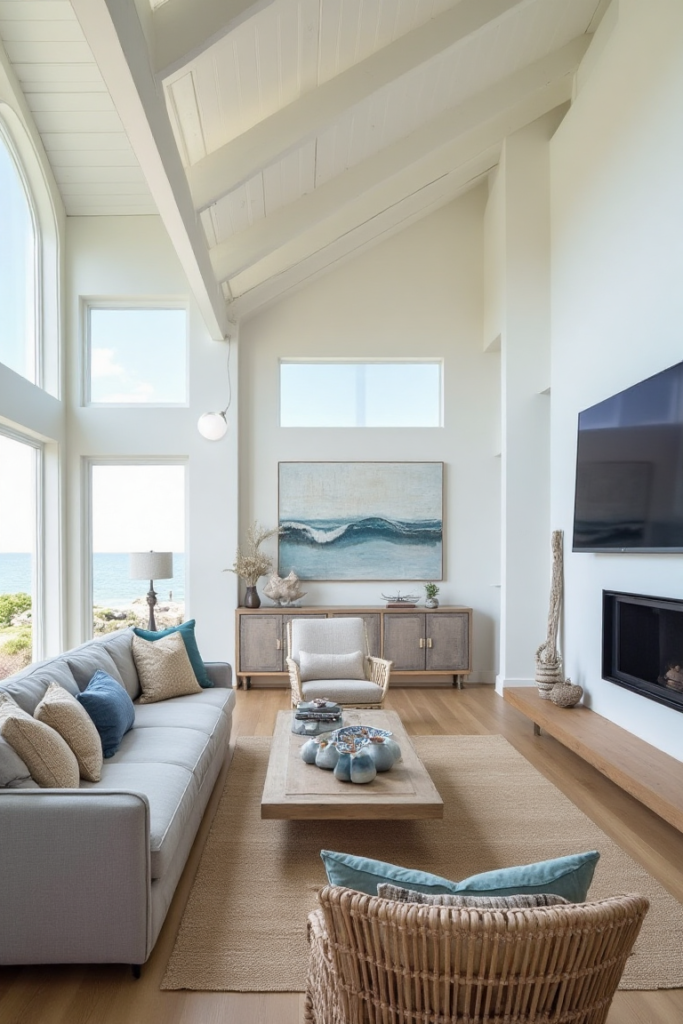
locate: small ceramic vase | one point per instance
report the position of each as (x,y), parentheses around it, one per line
(327,755)
(381,753)
(432,602)
(342,769)
(309,751)
(251,598)
(363,767)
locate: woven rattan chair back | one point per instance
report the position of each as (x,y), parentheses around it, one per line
(375,961)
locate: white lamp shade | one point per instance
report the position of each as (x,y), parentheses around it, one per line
(212,425)
(151,565)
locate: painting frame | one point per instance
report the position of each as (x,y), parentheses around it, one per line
(361,521)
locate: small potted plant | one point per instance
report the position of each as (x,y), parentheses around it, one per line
(431,590)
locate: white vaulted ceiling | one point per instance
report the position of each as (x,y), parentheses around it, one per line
(278,137)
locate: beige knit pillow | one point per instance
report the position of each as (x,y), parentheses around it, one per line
(46,755)
(65,715)
(164,668)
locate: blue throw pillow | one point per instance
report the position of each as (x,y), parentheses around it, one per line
(569,877)
(110,708)
(186,630)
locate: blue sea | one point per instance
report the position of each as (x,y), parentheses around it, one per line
(371,548)
(111,585)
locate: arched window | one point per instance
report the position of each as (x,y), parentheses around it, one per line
(18,268)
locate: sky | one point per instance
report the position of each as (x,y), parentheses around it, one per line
(135,508)
(138,355)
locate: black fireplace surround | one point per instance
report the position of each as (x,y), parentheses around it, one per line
(642,645)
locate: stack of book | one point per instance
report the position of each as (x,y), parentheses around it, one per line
(316,716)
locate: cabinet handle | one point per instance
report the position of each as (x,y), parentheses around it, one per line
(278,644)
(422,642)
(429,641)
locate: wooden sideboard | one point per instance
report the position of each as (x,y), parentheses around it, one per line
(419,641)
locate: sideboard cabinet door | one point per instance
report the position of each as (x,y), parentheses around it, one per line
(447,642)
(261,644)
(404,641)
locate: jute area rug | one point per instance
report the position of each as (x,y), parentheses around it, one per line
(244,927)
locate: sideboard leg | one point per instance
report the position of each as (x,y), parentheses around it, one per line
(537,729)
(247,682)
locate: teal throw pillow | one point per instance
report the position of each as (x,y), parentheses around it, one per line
(110,708)
(186,630)
(569,877)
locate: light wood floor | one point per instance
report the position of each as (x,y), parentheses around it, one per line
(109,995)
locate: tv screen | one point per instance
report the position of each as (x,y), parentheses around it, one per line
(629,469)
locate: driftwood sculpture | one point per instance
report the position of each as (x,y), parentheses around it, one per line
(548,660)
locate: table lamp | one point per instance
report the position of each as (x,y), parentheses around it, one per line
(151,565)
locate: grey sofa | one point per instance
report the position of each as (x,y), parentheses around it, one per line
(88,874)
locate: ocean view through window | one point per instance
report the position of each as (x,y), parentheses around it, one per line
(18,520)
(136,507)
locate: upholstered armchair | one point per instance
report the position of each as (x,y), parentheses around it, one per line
(374,960)
(330,658)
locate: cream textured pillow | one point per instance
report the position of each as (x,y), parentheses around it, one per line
(46,755)
(65,715)
(331,666)
(522,901)
(164,668)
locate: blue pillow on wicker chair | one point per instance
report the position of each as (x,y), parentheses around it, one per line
(186,630)
(564,876)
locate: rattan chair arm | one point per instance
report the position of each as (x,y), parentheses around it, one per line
(294,681)
(380,670)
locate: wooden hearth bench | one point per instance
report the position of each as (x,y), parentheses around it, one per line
(648,774)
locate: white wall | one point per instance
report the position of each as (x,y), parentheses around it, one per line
(617,301)
(118,257)
(418,294)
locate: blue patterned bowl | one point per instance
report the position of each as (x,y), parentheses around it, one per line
(351,737)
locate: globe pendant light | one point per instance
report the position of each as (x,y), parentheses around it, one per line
(214,425)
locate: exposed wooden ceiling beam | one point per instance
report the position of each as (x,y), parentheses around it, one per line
(255,292)
(182,29)
(114,33)
(230,166)
(435,149)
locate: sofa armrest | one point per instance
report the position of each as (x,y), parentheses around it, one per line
(220,673)
(76,865)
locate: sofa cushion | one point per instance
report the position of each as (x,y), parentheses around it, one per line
(46,755)
(331,666)
(28,688)
(85,661)
(164,668)
(343,691)
(186,748)
(110,708)
(522,901)
(186,630)
(65,715)
(119,646)
(13,771)
(185,715)
(569,876)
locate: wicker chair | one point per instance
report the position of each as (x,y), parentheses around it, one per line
(375,961)
(336,636)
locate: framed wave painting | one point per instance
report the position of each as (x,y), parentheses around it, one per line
(361,520)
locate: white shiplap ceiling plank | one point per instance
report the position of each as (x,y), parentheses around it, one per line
(101,175)
(274,135)
(187,118)
(91,158)
(70,101)
(73,121)
(85,140)
(41,31)
(522,95)
(36,10)
(67,53)
(84,73)
(104,188)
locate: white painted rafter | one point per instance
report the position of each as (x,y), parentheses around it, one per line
(237,161)
(113,31)
(183,29)
(436,149)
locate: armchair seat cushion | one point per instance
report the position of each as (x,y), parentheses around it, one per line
(343,691)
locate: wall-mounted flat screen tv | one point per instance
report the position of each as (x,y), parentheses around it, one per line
(629,469)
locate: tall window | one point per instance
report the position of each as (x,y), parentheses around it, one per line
(18,269)
(19,464)
(136,355)
(360,393)
(135,508)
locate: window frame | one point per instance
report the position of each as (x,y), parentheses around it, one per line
(123,303)
(354,361)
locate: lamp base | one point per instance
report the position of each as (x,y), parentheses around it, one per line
(151,601)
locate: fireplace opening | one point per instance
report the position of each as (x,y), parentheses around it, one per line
(642,645)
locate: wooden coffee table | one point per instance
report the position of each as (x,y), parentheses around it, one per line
(294,789)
